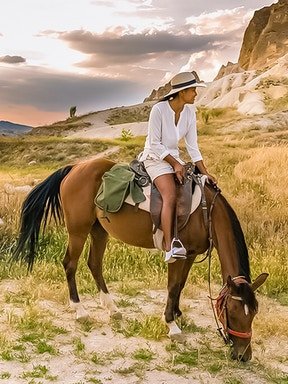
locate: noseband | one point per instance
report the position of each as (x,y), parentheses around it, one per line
(221,310)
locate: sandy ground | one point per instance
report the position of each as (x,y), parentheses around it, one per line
(98,130)
(116,352)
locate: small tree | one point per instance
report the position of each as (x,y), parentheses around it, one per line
(73,111)
(126,134)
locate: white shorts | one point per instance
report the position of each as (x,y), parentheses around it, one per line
(156,167)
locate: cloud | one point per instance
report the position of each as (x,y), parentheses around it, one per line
(115,47)
(55,91)
(12,59)
(103,3)
(223,21)
(181,9)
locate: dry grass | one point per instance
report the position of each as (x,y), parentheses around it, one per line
(267,167)
(129,114)
(252,175)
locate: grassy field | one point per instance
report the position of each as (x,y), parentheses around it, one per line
(250,166)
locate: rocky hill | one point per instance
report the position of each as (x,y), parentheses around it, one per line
(259,79)
(250,92)
(266,37)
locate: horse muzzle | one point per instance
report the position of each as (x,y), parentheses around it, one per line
(241,352)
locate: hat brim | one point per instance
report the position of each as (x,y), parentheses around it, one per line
(174,91)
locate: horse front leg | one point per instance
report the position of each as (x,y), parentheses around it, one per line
(177,276)
(95,263)
(70,262)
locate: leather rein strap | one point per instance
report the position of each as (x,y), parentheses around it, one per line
(207,218)
(221,300)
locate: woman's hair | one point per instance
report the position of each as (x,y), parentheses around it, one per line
(165,98)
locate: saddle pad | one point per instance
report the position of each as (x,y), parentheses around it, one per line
(145,205)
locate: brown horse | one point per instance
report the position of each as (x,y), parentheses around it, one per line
(71,191)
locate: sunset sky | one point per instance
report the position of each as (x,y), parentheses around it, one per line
(98,54)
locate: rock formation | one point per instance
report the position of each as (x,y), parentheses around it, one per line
(265,42)
(266,37)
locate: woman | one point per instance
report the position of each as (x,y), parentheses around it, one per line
(172,119)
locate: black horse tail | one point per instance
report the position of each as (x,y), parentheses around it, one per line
(41,203)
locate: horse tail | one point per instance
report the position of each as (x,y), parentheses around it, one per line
(42,202)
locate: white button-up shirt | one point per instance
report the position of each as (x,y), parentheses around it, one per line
(164,135)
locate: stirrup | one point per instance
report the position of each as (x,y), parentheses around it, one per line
(177,252)
(178,247)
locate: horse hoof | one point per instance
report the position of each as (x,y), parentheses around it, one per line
(82,315)
(82,318)
(116,316)
(179,337)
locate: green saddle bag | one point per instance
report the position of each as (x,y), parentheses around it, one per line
(116,185)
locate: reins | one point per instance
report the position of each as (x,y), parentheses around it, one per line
(221,300)
(207,218)
(209,256)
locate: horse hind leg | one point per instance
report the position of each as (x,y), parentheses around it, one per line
(95,262)
(70,262)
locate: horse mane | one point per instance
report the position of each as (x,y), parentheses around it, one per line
(243,257)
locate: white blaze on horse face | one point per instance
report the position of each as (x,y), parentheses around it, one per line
(81,313)
(246,309)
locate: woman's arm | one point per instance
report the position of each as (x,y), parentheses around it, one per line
(155,134)
(200,165)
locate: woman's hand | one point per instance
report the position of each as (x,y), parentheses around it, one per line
(200,165)
(179,172)
(212,180)
(179,168)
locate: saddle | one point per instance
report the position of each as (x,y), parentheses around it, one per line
(184,192)
(123,180)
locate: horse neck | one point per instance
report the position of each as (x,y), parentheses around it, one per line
(224,240)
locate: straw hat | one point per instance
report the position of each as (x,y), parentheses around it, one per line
(182,81)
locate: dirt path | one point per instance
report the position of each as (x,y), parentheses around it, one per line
(102,350)
(98,131)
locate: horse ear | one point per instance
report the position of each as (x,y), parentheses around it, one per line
(230,283)
(259,281)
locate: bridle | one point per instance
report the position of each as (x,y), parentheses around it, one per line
(221,300)
(221,310)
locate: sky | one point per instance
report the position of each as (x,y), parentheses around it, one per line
(99,54)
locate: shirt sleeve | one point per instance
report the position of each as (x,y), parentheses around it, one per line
(191,139)
(155,133)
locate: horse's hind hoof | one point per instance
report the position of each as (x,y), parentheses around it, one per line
(116,316)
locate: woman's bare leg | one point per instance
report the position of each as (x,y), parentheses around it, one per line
(167,189)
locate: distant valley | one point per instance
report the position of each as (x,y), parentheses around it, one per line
(9,129)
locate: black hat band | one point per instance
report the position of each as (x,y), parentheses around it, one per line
(191,82)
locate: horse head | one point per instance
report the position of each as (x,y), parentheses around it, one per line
(236,307)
